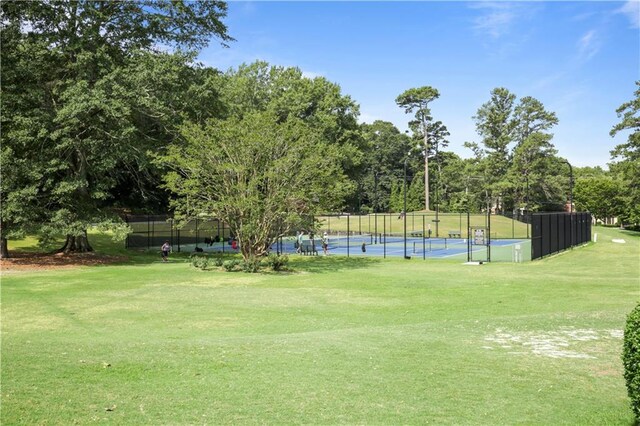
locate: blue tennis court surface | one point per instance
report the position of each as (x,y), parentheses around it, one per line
(516,250)
(505,249)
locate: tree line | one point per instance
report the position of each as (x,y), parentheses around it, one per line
(105,110)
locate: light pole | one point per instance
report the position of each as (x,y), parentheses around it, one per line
(570,201)
(570,185)
(437,221)
(526,204)
(375,206)
(375,186)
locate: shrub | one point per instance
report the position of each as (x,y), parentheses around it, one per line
(251,265)
(218,261)
(200,262)
(277,262)
(631,359)
(230,265)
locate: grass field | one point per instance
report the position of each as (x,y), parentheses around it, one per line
(337,340)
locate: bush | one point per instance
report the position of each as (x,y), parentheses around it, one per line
(277,262)
(230,265)
(251,265)
(200,262)
(218,261)
(631,359)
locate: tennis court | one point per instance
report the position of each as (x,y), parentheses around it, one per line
(393,245)
(429,236)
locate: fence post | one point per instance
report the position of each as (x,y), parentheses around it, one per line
(171,230)
(148,232)
(126,241)
(468,236)
(424,254)
(348,236)
(197,233)
(572,226)
(218,226)
(489,236)
(384,230)
(375,225)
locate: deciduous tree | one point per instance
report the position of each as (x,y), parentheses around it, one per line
(70,95)
(601,196)
(259,174)
(386,148)
(286,93)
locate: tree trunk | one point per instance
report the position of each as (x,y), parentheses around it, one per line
(76,244)
(4,250)
(426,167)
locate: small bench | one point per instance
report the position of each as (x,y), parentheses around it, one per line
(455,234)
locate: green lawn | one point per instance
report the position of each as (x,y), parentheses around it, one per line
(351,341)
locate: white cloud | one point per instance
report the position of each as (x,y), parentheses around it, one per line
(632,10)
(589,45)
(497,19)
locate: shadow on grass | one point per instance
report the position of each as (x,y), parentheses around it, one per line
(324,264)
(108,252)
(315,264)
(29,253)
(631,234)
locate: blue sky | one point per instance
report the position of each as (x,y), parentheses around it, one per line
(580,59)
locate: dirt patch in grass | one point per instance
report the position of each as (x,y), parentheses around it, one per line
(553,344)
(44,261)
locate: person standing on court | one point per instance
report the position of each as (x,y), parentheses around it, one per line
(166,248)
(325,243)
(300,237)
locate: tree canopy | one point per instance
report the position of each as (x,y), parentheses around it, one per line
(105,109)
(516,158)
(75,107)
(628,156)
(260,175)
(418,99)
